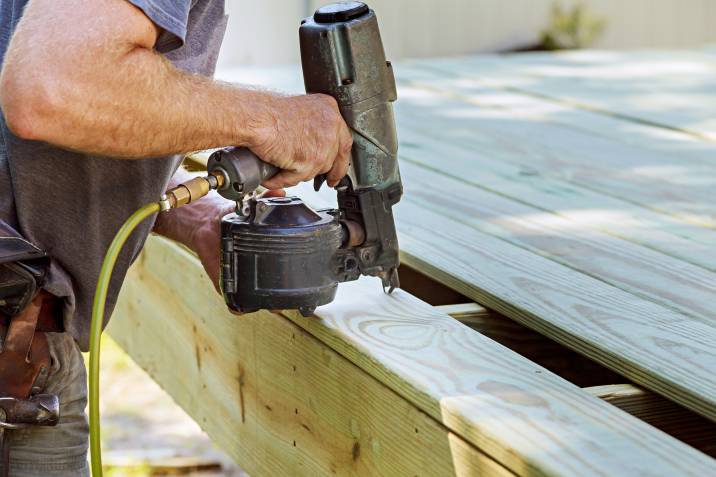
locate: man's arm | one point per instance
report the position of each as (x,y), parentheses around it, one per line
(83,75)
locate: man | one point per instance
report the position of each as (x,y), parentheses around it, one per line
(98,97)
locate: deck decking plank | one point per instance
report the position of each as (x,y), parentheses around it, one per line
(652,345)
(585,209)
(643,272)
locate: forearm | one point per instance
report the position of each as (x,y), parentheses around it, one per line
(156,110)
(120,98)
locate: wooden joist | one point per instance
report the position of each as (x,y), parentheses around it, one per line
(373,385)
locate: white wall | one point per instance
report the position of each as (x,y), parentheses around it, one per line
(265,31)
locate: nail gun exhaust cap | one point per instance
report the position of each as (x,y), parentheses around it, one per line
(340,12)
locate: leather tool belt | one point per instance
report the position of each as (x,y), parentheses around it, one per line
(26,313)
(25,356)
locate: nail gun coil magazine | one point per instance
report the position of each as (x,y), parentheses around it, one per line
(282,255)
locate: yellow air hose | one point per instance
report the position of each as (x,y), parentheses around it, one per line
(100,298)
(181,195)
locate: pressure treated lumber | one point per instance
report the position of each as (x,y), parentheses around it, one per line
(474,385)
(661,413)
(459,384)
(534,179)
(643,272)
(277,400)
(668,352)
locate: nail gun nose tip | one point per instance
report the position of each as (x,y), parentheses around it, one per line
(306,311)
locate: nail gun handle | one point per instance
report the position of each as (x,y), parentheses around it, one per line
(243,171)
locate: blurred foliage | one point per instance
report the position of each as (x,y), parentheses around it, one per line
(571,28)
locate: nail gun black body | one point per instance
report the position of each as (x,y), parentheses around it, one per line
(281,254)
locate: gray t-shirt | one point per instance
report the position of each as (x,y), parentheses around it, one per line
(70,204)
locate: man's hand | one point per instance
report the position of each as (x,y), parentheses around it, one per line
(305,136)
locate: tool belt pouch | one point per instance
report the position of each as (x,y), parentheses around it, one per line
(23,267)
(24,355)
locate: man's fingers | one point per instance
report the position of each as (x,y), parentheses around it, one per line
(284,179)
(340,166)
(339,170)
(274,193)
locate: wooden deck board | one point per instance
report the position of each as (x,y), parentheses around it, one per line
(650,344)
(639,270)
(585,209)
(252,382)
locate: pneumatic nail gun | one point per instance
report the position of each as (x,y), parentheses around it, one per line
(278,253)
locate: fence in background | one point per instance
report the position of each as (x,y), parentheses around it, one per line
(264,32)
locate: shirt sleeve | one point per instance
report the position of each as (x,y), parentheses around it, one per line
(171,16)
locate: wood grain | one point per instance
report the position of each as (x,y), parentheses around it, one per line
(486,396)
(481,390)
(277,400)
(639,270)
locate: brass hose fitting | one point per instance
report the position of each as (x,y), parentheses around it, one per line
(191,191)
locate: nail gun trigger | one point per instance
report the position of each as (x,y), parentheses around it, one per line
(318,181)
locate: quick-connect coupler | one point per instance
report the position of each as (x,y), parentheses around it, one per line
(190,191)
